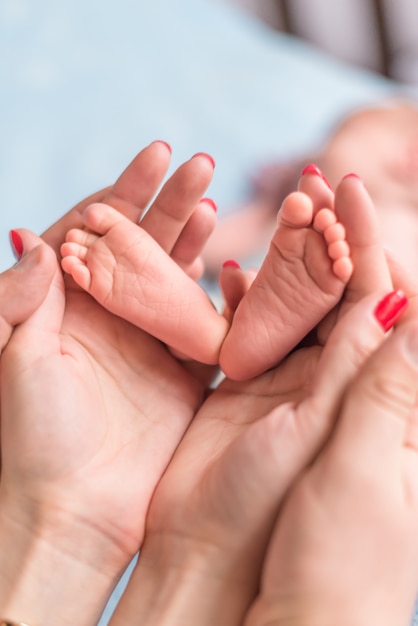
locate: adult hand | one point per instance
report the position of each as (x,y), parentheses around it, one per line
(345,549)
(92,411)
(212,514)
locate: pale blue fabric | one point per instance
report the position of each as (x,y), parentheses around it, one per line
(415,617)
(86,84)
(111,605)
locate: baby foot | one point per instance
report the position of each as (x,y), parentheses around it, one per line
(353,208)
(129,273)
(302,278)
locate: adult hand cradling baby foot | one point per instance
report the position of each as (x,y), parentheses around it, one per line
(108,446)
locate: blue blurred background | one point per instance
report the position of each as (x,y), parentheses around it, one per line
(86,84)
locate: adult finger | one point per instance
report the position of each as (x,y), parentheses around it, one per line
(177,200)
(234,283)
(138,183)
(356,335)
(24,287)
(380,403)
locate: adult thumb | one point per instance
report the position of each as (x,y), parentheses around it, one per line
(379,405)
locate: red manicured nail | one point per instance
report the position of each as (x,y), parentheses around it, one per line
(352,175)
(166,144)
(314,169)
(17,244)
(232,263)
(390,309)
(210,202)
(207,156)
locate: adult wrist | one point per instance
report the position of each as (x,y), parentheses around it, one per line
(177,582)
(52,568)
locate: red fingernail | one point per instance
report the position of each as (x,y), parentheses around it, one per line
(210,202)
(352,175)
(390,309)
(313,169)
(232,263)
(17,244)
(166,144)
(207,156)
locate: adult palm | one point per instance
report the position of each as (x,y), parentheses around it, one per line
(92,407)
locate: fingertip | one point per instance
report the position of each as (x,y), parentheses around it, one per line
(314,170)
(164,143)
(390,309)
(16,243)
(352,176)
(34,251)
(210,202)
(206,156)
(231,263)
